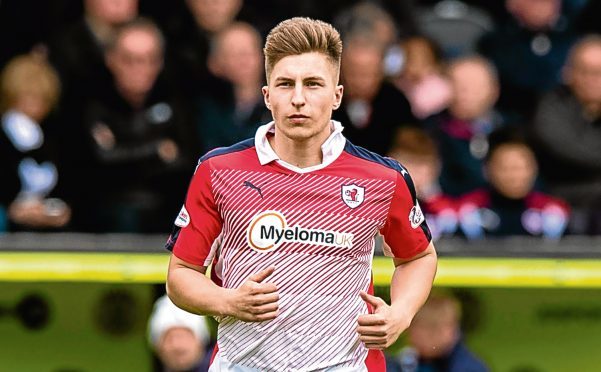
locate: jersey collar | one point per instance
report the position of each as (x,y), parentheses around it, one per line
(331,148)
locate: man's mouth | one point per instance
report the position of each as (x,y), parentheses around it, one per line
(297,116)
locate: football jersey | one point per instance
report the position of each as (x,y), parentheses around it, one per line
(317,227)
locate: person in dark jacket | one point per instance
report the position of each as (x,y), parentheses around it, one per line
(138,139)
(566,133)
(509,204)
(372,108)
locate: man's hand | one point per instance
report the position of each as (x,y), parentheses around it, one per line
(255,301)
(382,328)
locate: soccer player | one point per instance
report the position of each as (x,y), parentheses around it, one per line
(288,220)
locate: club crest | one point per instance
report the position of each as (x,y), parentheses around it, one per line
(353,195)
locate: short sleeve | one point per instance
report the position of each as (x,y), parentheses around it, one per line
(405,230)
(198,224)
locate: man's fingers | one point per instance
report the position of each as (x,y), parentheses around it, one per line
(267,298)
(372,339)
(264,309)
(370,320)
(372,300)
(376,346)
(262,275)
(266,316)
(371,331)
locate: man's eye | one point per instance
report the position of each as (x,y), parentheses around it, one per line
(284,84)
(313,84)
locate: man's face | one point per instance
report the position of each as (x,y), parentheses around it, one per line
(112,11)
(535,14)
(301,95)
(238,58)
(433,339)
(584,74)
(179,349)
(214,15)
(474,90)
(512,170)
(136,61)
(362,71)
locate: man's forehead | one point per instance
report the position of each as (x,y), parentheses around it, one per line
(304,65)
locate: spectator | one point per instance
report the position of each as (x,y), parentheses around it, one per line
(528,50)
(189,40)
(180,339)
(435,340)
(421,78)
(417,152)
(508,205)
(235,108)
(567,132)
(138,137)
(461,130)
(372,109)
(77,52)
(28,168)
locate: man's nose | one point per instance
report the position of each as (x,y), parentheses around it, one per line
(298,98)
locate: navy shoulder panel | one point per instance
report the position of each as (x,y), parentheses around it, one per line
(240,146)
(365,154)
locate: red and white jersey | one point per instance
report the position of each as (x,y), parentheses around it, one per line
(316,226)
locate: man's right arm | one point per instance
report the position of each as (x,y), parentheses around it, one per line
(190,289)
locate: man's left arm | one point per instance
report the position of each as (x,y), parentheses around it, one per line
(409,288)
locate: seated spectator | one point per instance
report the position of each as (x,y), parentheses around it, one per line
(31,187)
(461,130)
(421,78)
(138,136)
(529,50)
(371,108)
(417,152)
(567,134)
(234,108)
(180,339)
(435,342)
(509,205)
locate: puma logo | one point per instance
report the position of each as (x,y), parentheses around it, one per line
(250,185)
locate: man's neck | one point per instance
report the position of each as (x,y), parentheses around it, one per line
(301,154)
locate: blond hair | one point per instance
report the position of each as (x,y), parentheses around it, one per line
(28,74)
(301,35)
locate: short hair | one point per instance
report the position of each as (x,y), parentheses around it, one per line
(584,42)
(217,39)
(139,23)
(301,35)
(440,307)
(415,141)
(478,60)
(507,135)
(25,74)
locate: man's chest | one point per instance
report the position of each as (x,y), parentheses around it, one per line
(267,209)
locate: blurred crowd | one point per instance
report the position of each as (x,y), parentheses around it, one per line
(493,107)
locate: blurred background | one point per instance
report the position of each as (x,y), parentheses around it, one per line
(494,108)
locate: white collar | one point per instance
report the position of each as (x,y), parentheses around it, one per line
(331,148)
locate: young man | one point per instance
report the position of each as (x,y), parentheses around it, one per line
(290,218)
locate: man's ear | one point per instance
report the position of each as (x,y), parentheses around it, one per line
(265,91)
(338,96)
